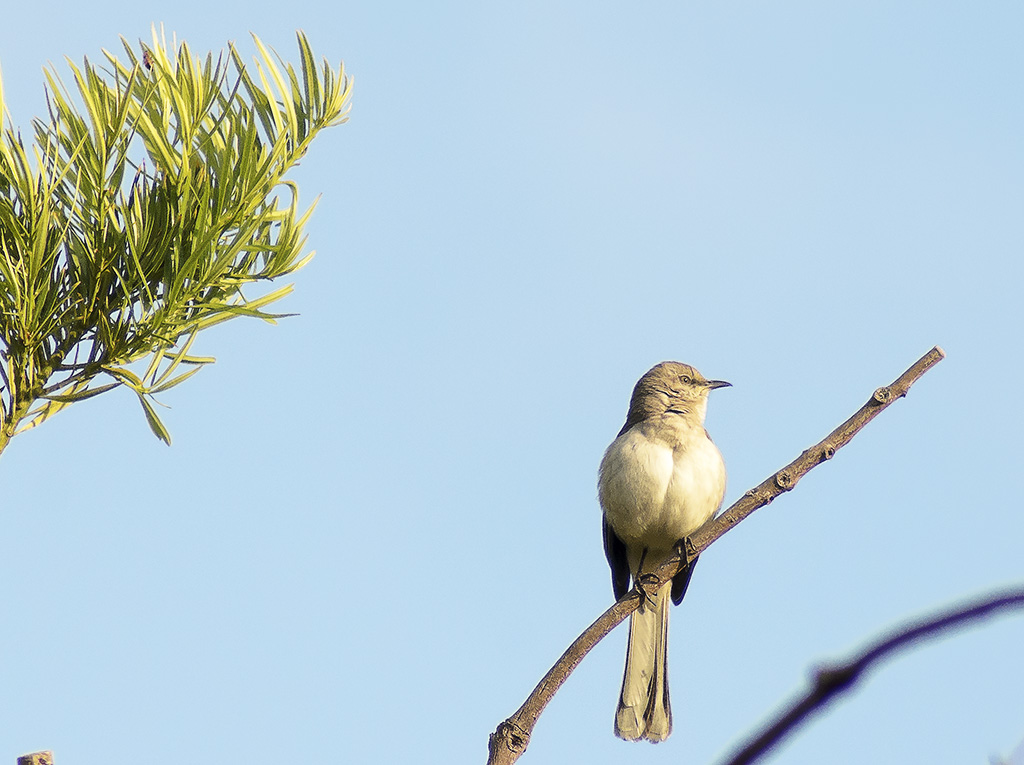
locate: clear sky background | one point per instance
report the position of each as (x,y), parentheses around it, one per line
(377,526)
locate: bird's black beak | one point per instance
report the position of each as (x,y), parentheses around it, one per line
(712,384)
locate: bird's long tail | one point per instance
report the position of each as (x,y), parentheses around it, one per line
(644,711)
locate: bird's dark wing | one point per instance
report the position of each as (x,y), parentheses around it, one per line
(681,581)
(615,551)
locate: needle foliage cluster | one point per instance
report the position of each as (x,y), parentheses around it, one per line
(152,194)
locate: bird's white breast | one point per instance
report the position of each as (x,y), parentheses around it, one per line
(656,490)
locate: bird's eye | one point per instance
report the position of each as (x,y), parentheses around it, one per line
(686,379)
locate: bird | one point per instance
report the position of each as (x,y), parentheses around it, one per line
(659,481)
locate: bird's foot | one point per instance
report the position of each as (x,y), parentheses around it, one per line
(648,585)
(684,549)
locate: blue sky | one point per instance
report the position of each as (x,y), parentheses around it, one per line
(377,526)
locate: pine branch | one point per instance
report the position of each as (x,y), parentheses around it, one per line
(154,194)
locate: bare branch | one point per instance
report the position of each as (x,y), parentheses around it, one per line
(512,736)
(831,680)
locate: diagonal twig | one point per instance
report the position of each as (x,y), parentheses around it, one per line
(512,736)
(832,680)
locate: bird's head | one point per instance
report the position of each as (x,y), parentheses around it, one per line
(671,387)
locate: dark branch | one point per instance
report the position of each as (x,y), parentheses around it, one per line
(510,739)
(831,680)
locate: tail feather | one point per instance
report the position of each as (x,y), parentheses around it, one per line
(644,711)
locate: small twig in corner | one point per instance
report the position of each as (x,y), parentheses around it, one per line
(36,758)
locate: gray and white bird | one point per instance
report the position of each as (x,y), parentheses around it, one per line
(660,480)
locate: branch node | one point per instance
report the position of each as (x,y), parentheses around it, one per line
(510,737)
(784,480)
(828,452)
(883,395)
(831,678)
